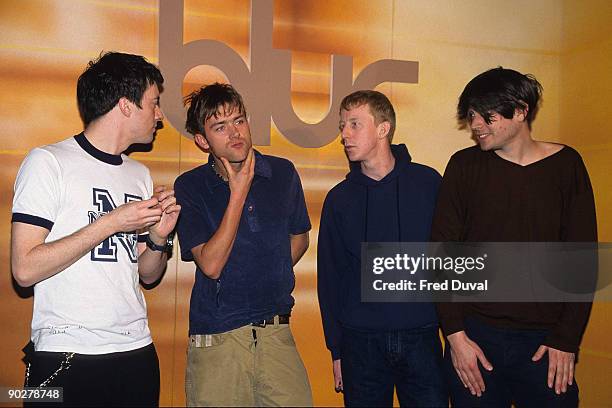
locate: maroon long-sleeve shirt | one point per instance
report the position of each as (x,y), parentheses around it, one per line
(484,198)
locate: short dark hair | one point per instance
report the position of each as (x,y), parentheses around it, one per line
(379,105)
(503,91)
(207,102)
(110,77)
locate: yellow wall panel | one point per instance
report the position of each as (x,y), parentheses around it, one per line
(44,45)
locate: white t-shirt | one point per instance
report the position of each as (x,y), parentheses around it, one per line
(96,305)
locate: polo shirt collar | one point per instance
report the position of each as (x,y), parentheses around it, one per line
(262,169)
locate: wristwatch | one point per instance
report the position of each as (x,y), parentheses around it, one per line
(160,248)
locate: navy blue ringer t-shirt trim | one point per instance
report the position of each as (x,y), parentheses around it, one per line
(108,158)
(32,220)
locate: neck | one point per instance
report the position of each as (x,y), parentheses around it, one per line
(520,150)
(105,136)
(220,169)
(380,165)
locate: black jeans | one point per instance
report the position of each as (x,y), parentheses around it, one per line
(129,378)
(515,378)
(373,363)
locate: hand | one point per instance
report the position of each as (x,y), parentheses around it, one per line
(169,214)
(134,215)
(465,355)
(560,367)
(240,180)
(337,366)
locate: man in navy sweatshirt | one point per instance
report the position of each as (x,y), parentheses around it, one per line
(385,198)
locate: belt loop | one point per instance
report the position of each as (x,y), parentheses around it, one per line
(276,320)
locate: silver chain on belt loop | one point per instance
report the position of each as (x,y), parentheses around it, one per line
(64,365)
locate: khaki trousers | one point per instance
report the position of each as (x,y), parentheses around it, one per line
(248,366)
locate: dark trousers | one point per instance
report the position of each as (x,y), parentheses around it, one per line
(373,363)
(515,378)
(128,378)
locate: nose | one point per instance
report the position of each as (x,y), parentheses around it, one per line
(476,121)
(159,115)
(233,130)
(344,134)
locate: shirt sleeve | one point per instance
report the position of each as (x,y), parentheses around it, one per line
(579,225)
(37,190)
(331,263)
(193,226)
(447,226)
(299,222)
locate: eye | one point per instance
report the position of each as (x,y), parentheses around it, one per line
(239,121)
(219,129)
(341,126)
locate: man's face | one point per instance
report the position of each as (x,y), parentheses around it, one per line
(359,133)
(227,135)
(145,119)
(499,133)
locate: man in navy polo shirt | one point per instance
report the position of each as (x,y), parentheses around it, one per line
(244,223)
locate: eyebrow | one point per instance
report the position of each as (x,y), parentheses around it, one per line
(231,119)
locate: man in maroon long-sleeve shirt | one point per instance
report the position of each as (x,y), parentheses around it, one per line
(512,188)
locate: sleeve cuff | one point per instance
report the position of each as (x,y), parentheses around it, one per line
(32,220)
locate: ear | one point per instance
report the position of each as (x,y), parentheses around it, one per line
(521,113)
(125,106)
(383,129)
(201,141)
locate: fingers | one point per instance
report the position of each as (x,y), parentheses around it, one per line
(474,380)
(468,372)
(552,369)
(226,165)
(538,354)
(561,363)
(561,383)
(337,368)
(249,163)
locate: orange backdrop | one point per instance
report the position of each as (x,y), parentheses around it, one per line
(566,44)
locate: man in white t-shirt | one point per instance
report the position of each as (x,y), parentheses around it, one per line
(87,225)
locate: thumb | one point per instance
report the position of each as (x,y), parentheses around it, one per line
(538,354)
(483,360)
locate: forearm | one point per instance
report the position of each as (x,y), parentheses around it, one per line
(32,264)
(212,256)
(151,265)
(299,245)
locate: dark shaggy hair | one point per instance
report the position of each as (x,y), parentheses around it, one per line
(500,90)
(112,76)
(209,101)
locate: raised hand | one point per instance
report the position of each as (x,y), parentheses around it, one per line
(135,215)
(240,180)
(170,211)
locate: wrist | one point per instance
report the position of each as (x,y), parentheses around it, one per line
(456,338)
(164,247)
(157,239)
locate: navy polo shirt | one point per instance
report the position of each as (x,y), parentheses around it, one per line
(257,280)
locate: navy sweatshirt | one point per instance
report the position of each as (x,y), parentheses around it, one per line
(397,208)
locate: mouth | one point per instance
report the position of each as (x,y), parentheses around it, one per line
(481,136)
(236,145)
